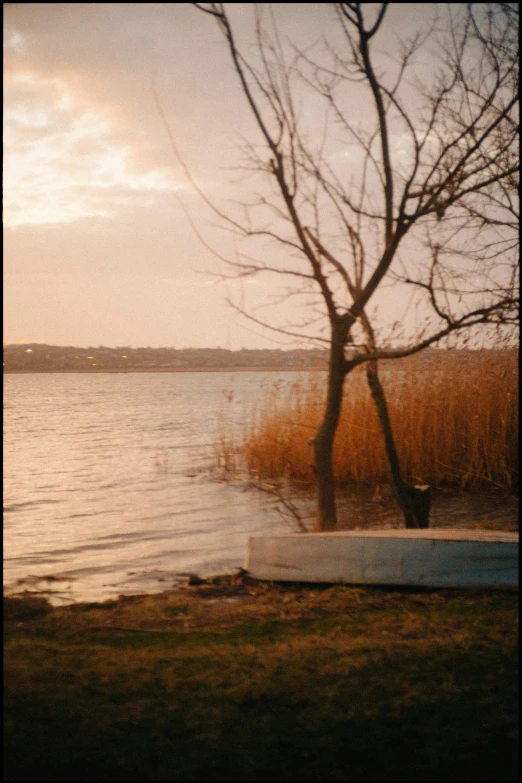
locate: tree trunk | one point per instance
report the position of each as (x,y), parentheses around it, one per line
(413,501)
(323,442)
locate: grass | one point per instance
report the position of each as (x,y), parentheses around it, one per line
(242,680)
(455,422)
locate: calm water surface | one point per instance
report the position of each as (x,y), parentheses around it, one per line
(110,484)
(108,481)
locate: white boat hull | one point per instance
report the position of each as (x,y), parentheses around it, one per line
(430,558)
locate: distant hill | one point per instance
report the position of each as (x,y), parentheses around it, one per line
(37,357)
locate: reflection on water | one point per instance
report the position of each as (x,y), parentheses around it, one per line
(109,487)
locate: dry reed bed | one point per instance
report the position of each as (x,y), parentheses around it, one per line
(455,421)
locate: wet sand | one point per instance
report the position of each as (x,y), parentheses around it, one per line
(376,508)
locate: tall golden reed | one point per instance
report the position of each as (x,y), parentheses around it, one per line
(455,420)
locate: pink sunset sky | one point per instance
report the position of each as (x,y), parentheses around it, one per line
(98,245)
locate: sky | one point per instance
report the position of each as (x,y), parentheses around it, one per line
(102,228)
(97,249)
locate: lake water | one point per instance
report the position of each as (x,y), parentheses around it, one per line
(109,485)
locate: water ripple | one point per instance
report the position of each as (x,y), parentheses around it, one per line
(127,461)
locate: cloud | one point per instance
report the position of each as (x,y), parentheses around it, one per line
(14,41)
(60,162)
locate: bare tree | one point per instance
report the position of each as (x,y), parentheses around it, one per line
(426,200)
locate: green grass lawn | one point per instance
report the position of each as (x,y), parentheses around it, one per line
(241,680)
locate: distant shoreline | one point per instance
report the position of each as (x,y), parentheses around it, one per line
(164,369)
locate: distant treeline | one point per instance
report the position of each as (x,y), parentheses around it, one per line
(37,357)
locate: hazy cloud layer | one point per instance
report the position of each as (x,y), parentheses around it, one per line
(97,248)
